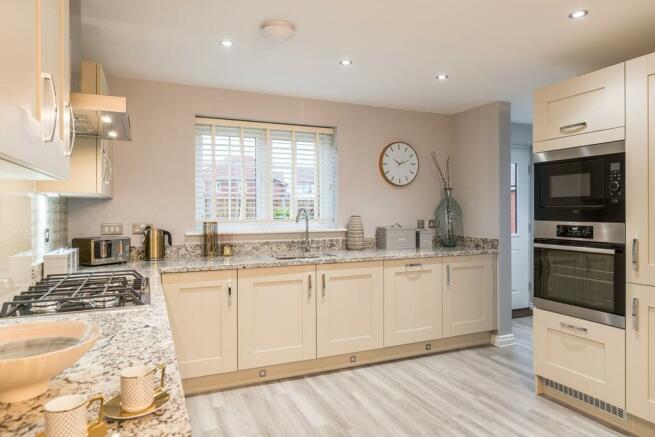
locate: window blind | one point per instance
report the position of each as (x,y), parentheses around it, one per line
(249,172)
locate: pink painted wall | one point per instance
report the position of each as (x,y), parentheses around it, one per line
(154,173)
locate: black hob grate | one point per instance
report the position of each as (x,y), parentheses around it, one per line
(80,291)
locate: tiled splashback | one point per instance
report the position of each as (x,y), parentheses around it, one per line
(25,218)
(281,247)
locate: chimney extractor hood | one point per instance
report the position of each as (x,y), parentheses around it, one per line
(101,116)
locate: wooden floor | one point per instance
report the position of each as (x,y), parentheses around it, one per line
(485,391)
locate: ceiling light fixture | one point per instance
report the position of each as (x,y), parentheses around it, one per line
(226,43)
(580,13)
(112,134)
(442,76)
(346,62)
(277,30)
(105,119)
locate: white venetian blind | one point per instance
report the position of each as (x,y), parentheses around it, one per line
(248,172)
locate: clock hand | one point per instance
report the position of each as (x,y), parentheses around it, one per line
(397,163)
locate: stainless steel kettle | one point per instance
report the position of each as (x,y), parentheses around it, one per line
(155,243)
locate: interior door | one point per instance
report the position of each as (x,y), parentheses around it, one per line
(520,226)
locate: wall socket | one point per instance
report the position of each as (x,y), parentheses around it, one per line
(138,228)
(111,229)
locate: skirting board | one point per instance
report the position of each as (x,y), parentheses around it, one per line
(205,384)
(502,340)
(632,424)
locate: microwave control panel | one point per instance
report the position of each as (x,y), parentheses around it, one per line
(615,184)
(574,231)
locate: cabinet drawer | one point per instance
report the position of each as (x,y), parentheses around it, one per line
(588,103)
(587,356)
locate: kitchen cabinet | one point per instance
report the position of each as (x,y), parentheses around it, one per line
(586,356)
(276,315)
(35,86)
(91,171)
(640,177)
(202,310)
(91,162)
(640,350)
(587,109)
(349,315)
(412,301)
(468,294)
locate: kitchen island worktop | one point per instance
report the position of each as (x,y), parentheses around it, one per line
(143,335)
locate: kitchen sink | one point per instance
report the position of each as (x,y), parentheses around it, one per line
(304,256)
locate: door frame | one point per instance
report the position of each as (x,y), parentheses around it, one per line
(530,219)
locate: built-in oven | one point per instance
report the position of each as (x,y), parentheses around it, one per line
(581,184)
(579,270)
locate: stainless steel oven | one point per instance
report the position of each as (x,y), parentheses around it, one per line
(581,184)
(579,270)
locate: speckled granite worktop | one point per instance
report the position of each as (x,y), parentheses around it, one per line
(143,335)
(198,264)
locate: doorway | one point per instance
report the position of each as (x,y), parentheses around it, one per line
(521,226)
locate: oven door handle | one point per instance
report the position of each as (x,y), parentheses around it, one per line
(575,248)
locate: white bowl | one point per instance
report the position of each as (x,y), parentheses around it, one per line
(32,353)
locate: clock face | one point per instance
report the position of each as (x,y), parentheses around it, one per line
(399,164)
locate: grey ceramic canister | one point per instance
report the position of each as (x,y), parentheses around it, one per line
(355,233)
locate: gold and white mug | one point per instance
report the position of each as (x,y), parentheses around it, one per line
(66,416)
(138,387)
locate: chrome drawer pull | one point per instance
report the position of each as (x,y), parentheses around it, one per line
(418,265)
(448,274)
(635,314)
(575,127)
(309,286)
(323,282)
(229,292)
(569,326)
(635,254)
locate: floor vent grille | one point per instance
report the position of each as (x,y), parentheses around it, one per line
(587,399)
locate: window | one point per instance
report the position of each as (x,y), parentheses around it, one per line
(249,172)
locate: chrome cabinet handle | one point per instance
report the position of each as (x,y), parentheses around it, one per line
(323,284)
(107,174)
(575,127)
(71,134)
(413,265)
(635,314)
(229,292)
(569,326)
(51,136)
(635,254)
(447,274)
(309,286)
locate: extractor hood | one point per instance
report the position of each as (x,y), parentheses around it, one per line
(101,116)
(96,113)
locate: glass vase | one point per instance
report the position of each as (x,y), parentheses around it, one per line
(448,218)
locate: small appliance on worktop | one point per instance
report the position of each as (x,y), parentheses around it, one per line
(579,245)
(98,251)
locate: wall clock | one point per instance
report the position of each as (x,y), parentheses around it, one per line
(399,164)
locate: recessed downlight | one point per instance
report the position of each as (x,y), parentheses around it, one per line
(227,43)
(112,134)
(579,13)
(442,76)
(105,119)
(346,62)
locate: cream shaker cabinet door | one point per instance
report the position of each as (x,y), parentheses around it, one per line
(591,102)
(468,294)
(277,315)
(640,351)
(586,356)
(202,309)
(349,309)
(640,177)
(412,301)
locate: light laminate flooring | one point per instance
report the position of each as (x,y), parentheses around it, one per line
(484,391)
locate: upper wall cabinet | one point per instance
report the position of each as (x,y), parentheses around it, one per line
(588,109)
(639,152)
(35,86)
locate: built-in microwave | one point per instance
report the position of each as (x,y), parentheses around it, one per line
(581,184)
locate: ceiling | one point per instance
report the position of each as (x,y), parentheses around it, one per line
(491,50)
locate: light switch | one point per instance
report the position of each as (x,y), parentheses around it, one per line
(138,228)
(111,229)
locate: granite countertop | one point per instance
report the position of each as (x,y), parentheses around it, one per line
(199,264)
(143,335)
